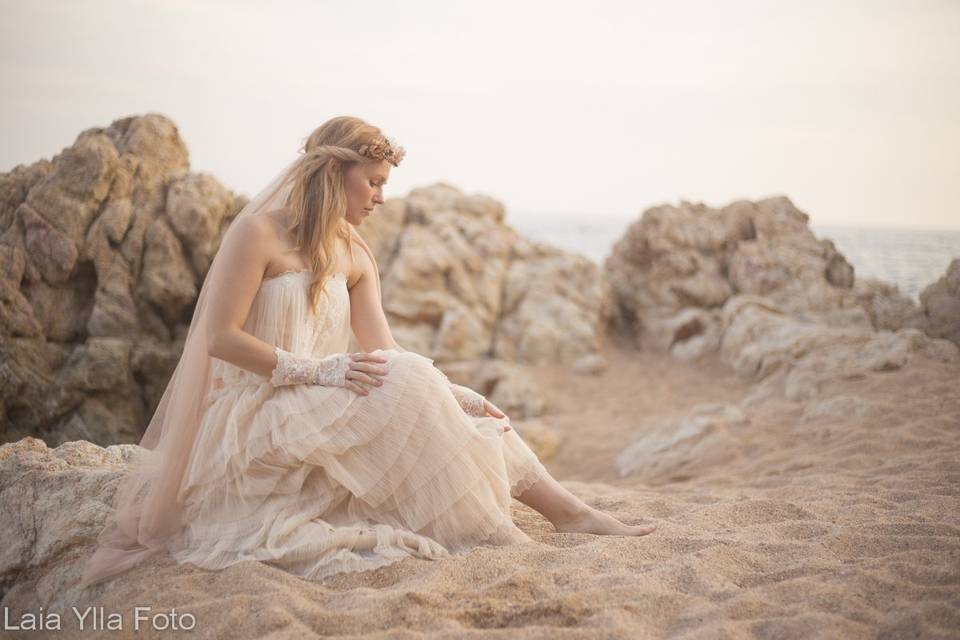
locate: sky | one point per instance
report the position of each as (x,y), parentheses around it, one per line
(569,109)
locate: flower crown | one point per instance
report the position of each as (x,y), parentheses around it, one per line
(383,149)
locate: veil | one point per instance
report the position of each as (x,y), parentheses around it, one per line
(147,511)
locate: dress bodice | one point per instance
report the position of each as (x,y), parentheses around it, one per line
(280,315)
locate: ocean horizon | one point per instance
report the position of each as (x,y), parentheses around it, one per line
(909,258)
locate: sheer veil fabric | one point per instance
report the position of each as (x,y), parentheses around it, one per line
(147,512)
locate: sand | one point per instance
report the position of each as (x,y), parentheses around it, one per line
(791,528)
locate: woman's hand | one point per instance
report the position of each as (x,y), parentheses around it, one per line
(473,403)
(492,410)
(363,371)
(354,371)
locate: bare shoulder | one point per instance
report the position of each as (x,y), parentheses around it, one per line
(254,240)
(256,228)
(356,237)
(365,265)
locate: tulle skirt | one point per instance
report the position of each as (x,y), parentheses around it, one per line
(320,480)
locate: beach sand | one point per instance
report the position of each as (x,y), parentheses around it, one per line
(788,527)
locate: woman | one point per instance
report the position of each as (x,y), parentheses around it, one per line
(273,444)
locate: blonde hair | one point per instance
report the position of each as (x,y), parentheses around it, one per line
(317,202)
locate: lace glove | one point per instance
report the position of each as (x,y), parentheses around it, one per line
(469,400)
(330,371)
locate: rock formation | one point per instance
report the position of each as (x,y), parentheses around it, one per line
(104,248)
(459,283)
(675,268)
(805,370)
(940,302)
(751,283)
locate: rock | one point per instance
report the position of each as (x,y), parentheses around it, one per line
(553,303)
(109,242)
(16,313)
(460,284)
(542,440)
(58,209)
(671,452)
(886,306)
(167,281)
(759,337)
(63,309)
(199,208)
(940,302)
(15,185)
(33,400)
(688,334)
(383,234)
(507,385)
(888,350)
(853,318)
(436,279)
(589,365)
(91,264)
(100,364)
(761,340)
(51,251)
(676,267)
(54,504)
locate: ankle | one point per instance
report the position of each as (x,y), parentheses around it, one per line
(571,513)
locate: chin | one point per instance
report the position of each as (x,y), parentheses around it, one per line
(358,218)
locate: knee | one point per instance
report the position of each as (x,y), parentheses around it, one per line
(408,360)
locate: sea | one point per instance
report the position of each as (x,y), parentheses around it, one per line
(909,258)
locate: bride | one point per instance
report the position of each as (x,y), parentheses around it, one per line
(272,443)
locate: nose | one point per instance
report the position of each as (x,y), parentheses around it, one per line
(377,198)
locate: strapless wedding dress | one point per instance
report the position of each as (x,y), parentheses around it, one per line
(319,480)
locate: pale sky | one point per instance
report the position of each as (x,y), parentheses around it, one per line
(852,109)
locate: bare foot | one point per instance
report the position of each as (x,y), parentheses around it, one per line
(600,523)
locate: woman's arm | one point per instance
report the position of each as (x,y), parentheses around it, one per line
(244,257)
(367,319)
(370,326)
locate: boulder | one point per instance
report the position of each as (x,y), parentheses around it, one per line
(103,250)
(677,450)
(675,268)
(461,284)
(940,302)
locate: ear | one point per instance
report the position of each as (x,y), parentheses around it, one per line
(333,166)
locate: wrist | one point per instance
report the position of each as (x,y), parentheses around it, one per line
(292,369)
(472,402)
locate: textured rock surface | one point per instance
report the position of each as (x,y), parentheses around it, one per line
(54,503)
(460,284)
(103,250)
(806,362)
(760,338)
(940,302)
(676,267)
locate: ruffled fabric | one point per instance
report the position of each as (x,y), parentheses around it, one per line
(320,480)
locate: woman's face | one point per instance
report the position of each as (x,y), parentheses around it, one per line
(364,186)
